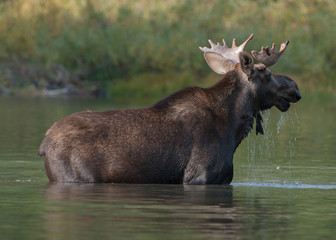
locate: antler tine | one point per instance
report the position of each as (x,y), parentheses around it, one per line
(242,46)
(269,56)
(234,42)
(283,46)
(211,43)
(273,46)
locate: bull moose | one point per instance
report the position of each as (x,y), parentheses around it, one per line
(188,137)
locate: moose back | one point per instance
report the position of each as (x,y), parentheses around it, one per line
(189,137)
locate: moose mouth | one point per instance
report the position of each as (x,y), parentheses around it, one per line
(285,103)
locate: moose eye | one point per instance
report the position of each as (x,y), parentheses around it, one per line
(268,77)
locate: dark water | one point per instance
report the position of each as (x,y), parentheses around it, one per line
(284,185)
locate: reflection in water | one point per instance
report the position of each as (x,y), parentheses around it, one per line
(165,211)
(127,210)
(169,194)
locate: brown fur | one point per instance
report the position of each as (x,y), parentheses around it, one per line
(189,137)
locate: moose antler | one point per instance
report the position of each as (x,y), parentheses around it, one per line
(269,56)
(221,58)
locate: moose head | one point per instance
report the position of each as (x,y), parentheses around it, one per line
(271,89)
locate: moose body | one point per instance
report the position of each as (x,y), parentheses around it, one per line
(189,137)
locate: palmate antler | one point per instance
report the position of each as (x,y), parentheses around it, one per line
(228,53)
(222,59)
(269,56)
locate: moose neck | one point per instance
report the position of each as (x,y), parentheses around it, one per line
(235,96)
(235,88)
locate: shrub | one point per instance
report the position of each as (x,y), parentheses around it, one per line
(100,41)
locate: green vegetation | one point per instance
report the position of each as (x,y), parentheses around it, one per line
(126,46)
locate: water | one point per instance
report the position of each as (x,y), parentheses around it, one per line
(284,185)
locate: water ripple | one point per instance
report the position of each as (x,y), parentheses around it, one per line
(278,185)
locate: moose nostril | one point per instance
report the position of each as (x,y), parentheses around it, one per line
(298,97)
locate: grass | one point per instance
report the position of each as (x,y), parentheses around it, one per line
(126,45)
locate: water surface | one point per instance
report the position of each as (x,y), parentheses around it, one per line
(284,185)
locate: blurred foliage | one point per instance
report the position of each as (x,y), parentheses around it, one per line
(101,42)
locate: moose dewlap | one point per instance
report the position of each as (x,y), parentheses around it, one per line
(189,137)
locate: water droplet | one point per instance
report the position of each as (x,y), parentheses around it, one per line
(281,121)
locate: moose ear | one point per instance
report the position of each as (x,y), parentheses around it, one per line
(246,62)
(218,63)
